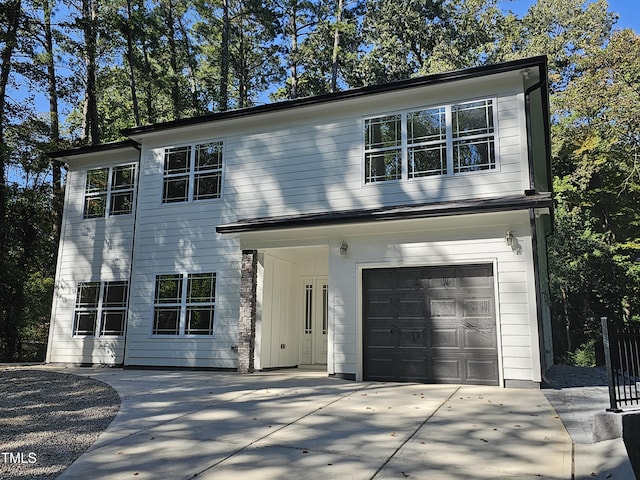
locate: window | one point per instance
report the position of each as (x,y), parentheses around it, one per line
(184,307)
(109,191)
(473,137)
(443,140)
(101,308)
(192,172)
(308,308)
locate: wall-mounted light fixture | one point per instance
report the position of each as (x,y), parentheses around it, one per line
(508,238)
(344,246)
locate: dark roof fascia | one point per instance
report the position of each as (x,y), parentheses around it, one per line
(407,212)
(102,147)
(469,73)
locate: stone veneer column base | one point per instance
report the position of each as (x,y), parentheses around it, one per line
(247,321)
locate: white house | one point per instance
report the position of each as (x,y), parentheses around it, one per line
(394,232)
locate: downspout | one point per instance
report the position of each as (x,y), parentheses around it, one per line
(133,242)
(542,85)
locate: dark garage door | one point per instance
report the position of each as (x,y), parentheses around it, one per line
(430,325)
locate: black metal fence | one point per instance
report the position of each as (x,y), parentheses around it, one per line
(622,358)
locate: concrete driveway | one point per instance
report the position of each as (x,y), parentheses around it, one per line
(302,425)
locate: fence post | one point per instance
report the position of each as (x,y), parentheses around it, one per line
(607,359)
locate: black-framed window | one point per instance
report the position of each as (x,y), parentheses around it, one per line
(109,191)
(441,140)
(193,172)
(184,304)
(101,308)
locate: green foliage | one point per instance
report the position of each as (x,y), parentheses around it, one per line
(585,355)
(595,253)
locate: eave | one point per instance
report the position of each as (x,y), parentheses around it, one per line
(90,149)
(427,210)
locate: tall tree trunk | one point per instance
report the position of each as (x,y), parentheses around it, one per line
(89,19)
(130,61)
(336,47)
(176,100)
(293,55)
(146,71)
(224,58)
(242,75)
(52,84)
(13,11)
(567,318)
(193,67)
(8,324)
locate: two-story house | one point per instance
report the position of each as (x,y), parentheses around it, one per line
(394,232)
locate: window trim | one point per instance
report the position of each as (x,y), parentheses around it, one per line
(110,192)
(449,142)
(192,173)
(101,308)
(183,306)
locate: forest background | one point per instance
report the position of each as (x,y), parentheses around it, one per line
(105,65)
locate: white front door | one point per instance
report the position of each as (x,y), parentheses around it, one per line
(315,302)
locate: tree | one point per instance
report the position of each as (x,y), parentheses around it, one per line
(297,19)
(330,52)
(564,30)
(88,23)
(400,38)
(10,19)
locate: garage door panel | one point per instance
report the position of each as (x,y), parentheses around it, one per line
(381,307)
(407,281)
(443,337)
(382,369)
(380,337)
(446,370)
(479,333)
(477,307)
(413,369)
(445,307)
(482,372)
(411,307)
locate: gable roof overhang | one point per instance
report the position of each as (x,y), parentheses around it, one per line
(535,201)
(92,149)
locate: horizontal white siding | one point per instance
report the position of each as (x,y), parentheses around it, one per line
(91,250)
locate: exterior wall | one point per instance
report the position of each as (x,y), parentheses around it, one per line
(96,249)
(445,241)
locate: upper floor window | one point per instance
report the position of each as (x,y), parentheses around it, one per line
(434,141)
(109,191)
(101,308)
(184,304)
(192,172)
